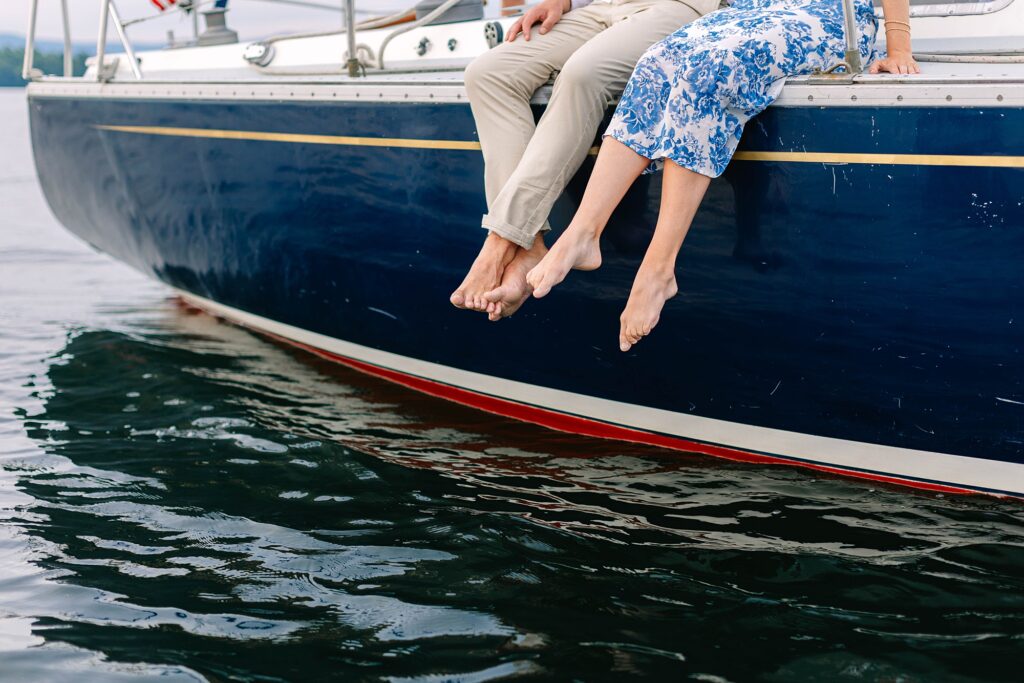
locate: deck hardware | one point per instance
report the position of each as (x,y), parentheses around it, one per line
(835,69)
(452,44)
(441,9)
(493,34)
(833,74)
(107,70)
(423,47)
(260,54)
(217,31)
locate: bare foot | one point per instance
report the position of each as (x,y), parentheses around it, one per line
(576,249)
(651,289)
(506,299)
(485,273)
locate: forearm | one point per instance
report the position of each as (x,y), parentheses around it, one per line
(897,25)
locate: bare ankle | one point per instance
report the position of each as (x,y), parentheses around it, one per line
(538,246)
(657,270)
(499,246)
(585,229)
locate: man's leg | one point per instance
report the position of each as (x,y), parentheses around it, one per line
(589,82)
(500,84)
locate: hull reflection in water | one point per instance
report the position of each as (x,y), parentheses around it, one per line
(254,495)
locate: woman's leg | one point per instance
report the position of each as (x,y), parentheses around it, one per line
(579,246)
(682,191)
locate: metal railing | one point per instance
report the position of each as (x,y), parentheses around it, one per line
(852,56)
(352,63)
(108,11)
(27,70)
(110,14)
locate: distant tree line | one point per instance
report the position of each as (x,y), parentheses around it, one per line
(47,62)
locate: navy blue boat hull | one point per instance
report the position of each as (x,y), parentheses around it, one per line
(868,303)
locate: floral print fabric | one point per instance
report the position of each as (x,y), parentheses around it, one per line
(691,94)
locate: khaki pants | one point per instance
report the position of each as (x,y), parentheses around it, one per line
(593,50)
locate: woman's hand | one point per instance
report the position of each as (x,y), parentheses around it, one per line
(896,62)
(547,14)
(899,58)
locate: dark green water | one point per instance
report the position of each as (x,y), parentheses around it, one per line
(180,498)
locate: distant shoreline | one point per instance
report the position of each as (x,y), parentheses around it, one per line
(49,62)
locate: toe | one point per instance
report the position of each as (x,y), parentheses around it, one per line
(533,277)
(541,287)
(500,294)
(458,298)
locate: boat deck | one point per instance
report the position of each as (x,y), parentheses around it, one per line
(968,60)
(939,84)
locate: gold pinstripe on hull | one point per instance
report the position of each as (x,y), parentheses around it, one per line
(343,140)
(961,160)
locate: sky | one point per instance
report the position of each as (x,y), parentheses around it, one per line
(251,18)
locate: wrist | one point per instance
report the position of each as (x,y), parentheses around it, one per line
(897,42)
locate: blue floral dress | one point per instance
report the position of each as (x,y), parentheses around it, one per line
(691,94)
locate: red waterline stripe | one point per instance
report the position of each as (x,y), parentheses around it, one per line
(572,424)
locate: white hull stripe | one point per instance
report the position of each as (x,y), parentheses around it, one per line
(991,476)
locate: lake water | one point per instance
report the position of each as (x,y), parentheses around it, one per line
(181,498)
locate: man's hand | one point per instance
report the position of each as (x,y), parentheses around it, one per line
(547,14)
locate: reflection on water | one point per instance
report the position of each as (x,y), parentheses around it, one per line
(203,500)
(181,498)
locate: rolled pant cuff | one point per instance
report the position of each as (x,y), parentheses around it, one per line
(512,233)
